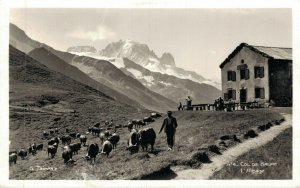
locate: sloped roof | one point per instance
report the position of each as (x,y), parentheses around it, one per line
(269,52)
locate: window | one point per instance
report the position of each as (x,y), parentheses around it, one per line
(231,76)
(259,93)
(231,94)
(225,96)
(244,74)
(259,72)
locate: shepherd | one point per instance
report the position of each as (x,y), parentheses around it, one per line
(180,107)
(189,103)
(169,125)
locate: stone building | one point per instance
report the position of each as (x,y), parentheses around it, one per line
(258,73)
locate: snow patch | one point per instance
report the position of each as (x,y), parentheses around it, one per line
(136,73)
(166,84)
(149,79)
(118,62)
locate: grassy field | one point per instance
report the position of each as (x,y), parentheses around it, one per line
(278,155)
(41,99)
(195,131)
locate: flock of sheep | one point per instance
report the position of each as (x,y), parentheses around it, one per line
(108,140)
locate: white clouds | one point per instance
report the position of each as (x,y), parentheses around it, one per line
(100,33)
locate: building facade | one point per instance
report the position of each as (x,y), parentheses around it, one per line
(258,73)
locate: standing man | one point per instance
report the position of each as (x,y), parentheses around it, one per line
(169,125)
(189,102)
(180,107)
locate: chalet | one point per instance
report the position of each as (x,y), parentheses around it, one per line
(258,74)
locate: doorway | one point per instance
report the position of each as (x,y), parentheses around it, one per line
(243,95)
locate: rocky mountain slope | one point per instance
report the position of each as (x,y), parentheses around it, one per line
(142,55)
(103,72)
(53,62)
(172,87)
(169,85)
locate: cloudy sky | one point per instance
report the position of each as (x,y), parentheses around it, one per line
(199,39)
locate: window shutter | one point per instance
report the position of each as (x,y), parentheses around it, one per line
(233,76)
(256,72)
(246,74)
(225,96)
(262,93)
(262,72)
(233,94)
(257,91)
(228,75)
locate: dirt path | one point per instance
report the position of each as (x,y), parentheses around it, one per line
(231,154)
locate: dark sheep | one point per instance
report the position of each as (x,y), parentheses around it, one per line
(145,137)
(155,115)
(75,148)
(13,159)
(22,153)
(106,148)
(201,156)
(45,134)
(114,139)
(215,149)
(250,134)
(262,127)
(83,139)
(67,154)
(93,151)
(97,125)
(51,132)
(133,145)
(95,131)
(148,120)
(32,149)
(40,147)
(53,140)
(104,136)
(107,133)
(73,134)
(65,139)
(268,125)
(52,149)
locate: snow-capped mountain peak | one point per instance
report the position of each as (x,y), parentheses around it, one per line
(142,55)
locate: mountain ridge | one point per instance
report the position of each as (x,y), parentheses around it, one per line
(106,73)
(144,56)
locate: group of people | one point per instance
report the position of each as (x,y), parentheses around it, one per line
(219,104)
(188,104)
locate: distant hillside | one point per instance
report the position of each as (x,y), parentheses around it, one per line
(53,62)
(21,41)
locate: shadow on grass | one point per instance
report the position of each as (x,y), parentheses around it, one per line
(163,174)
